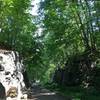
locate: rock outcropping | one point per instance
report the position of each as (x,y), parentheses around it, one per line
(11,78)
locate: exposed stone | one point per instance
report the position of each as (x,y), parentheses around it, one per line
(11,77)
(2,92)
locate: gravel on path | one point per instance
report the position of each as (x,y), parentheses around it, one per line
(40,93)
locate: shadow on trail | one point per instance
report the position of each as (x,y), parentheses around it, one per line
(40,93)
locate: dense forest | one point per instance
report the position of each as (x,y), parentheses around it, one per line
(66,51)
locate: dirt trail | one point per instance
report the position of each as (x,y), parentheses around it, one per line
(40,93)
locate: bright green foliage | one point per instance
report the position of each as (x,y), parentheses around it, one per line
(70,28)
(71,24)
(17,29)
(16,23)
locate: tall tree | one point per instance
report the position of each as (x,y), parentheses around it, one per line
(69,24)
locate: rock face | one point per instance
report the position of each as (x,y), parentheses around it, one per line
(2,92)
(11,77)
